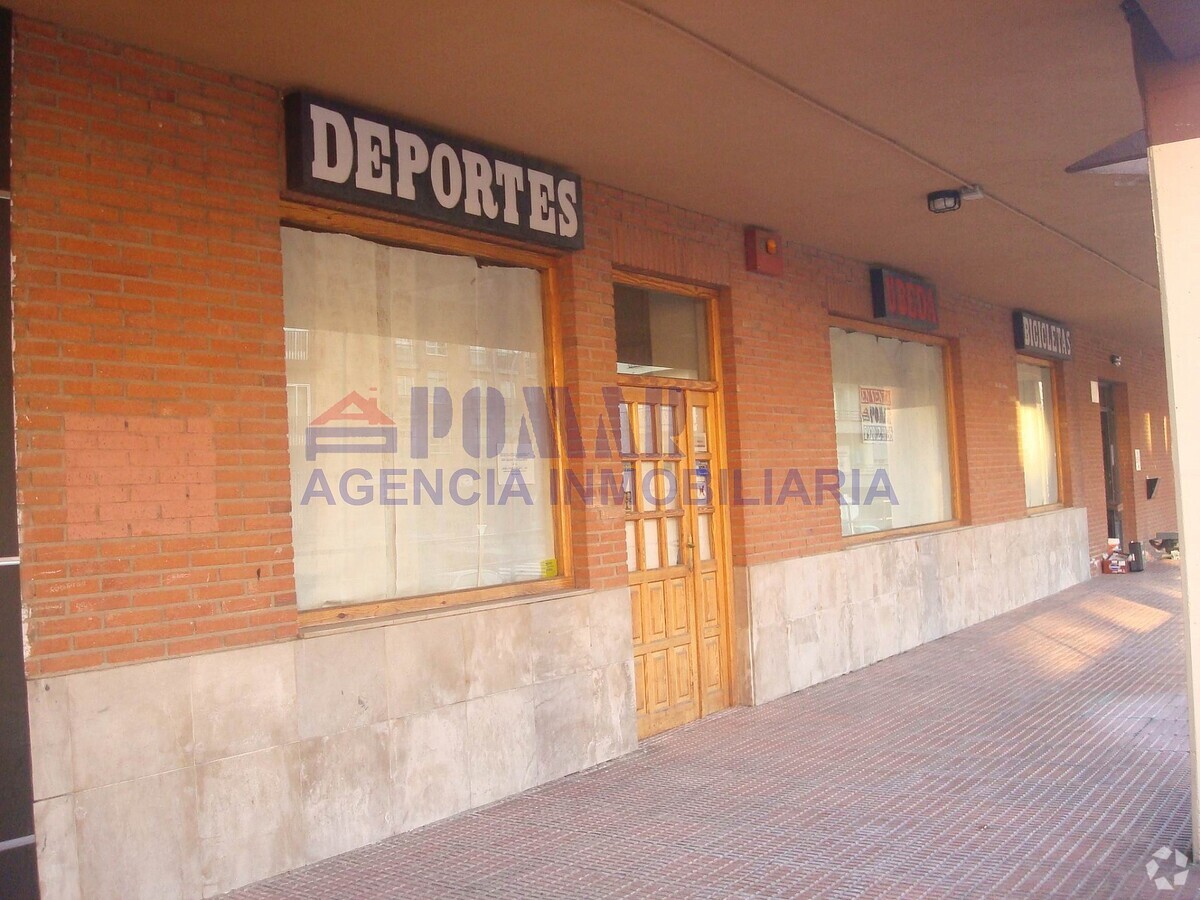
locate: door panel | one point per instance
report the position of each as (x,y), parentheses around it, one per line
(709,573)
(680,614)
(710,605)
(714,672)
(660,682)
(657,607)
(682,672)
(675,554)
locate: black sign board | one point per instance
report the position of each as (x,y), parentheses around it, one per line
(1038,336)
(357,156)
(902,299)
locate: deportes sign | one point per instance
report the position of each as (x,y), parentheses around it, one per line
(345,153)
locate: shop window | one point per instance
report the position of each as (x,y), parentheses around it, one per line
(661,334)
(406,353)
(295,343)
(892,433)
(1038,433)
(299,412)
(394,497)
(404,391)
(507,361)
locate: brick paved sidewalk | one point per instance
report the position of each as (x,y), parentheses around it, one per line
(1043,753)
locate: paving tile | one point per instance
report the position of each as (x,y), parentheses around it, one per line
(1040,754)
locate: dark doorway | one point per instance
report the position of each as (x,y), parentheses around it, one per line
(18,855)
(1112,463)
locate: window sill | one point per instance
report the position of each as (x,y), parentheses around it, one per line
(358,617)
(895,534)
(879,537)
(1043,510)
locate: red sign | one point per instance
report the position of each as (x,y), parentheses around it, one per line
(904,300)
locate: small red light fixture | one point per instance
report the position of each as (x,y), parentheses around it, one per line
(763,251)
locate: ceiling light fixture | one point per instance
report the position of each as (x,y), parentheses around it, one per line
(944,201)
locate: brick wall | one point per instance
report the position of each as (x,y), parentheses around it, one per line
(1141,398)
(150,366)
(590,362)
(151,411)
(778,387)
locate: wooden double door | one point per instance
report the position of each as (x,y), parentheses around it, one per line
(676,554)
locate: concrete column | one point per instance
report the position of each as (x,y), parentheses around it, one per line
(1171,99)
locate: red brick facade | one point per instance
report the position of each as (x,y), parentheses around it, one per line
(151,415)
(1143,424)
(152,421)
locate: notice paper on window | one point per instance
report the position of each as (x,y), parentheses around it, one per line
(875,408)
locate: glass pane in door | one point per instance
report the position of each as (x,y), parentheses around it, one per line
(650,536)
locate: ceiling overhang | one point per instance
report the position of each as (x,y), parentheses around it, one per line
(1177,23)
(829,124)
(1128,156)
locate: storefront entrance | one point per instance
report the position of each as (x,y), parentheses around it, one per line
(1112,463)
(677,556)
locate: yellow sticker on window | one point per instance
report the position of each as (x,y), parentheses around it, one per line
(549,568)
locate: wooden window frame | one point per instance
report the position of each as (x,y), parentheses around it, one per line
(721,537)
(1056,386)
(954,443)
(710,297)
(304,216)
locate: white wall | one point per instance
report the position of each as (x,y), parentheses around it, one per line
(1175,178)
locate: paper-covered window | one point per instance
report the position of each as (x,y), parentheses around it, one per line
(1038,434)
(893,448)
(420,457)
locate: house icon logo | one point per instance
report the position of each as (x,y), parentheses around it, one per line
(354,424)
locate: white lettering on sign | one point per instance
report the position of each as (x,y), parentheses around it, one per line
(541,188)
(568,219)
(511,180)
(331,160)
(480,200)
(414,161)
(1042,337)
(356,156)
(447,176)
(373,172)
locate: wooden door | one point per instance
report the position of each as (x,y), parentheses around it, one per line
(1112,463)
(708,551)
(675,555)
